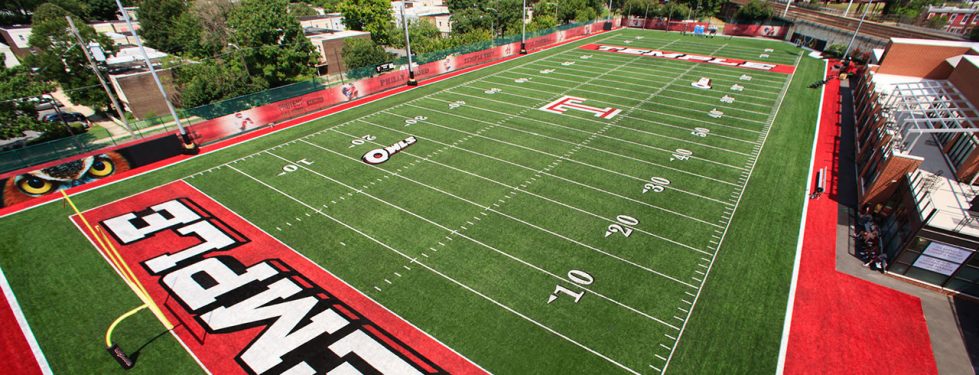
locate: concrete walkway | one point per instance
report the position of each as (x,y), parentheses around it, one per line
(953,321)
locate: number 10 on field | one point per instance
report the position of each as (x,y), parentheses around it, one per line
(581,278)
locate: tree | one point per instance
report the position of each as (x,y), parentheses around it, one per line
(301,10)
(271,41)
(328,6)
(373,16)
(212,80)
(17,113)
(974,35)
(754,10)
(209,22)
(158,20)
(60,59)
(585,14)
(360,53)
(937,22)
(425,37)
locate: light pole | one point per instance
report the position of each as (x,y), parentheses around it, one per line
(645,16)
(411,70)
(523,29)
(857,30)
(98,74)
(185,138)
(786,12)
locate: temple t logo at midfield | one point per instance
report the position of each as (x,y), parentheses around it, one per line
(380,155)
(569,102)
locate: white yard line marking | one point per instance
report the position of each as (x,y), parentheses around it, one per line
(728,226)
(433,270)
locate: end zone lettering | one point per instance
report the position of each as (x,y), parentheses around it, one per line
(778,68)
(244,303)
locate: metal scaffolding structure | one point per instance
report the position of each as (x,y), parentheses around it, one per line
(913,109)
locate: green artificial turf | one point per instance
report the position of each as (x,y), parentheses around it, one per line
(511,198)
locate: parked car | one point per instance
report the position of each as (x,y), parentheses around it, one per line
(45,102)
(66,116)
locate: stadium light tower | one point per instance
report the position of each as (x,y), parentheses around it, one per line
(523,29)
(411,70)
(786,12)
(185,138)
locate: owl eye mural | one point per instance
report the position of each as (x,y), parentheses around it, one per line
(45,181)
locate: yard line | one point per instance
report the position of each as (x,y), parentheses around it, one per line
(501,252)
(668,152)
(530,61)
(433,270)
(571,160)
(515,188)
(785,88)
(606,93)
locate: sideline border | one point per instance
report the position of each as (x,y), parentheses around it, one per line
(25,328)
(784,345)
(40,201)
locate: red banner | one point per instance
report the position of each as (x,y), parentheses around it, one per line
(769,31)
(243,302)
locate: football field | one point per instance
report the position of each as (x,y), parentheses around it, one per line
(577,210)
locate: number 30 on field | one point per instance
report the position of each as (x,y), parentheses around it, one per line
(581,278)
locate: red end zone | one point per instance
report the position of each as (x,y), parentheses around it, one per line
(745,64)
(243,302)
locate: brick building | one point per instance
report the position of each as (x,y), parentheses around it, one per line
(917,159)
(960,20)
(329,44)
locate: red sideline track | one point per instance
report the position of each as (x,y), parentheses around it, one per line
(841,324)
(14,347)
(261,132)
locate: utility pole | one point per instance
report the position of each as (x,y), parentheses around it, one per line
(786,12)
(523,29)
(857,30)
(847,12)
(404,22)
(187,142)
(91,62)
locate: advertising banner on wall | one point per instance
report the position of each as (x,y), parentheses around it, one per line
(769,31)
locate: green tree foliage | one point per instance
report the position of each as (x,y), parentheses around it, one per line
(425,37)
(19,11)
(638,8)
(17,114)
(937,22)
(907,8)
(585,14)
(373,16)
(272,42)
(60,59)
(753,11)
(502,17)
(301,10)
(360,53)
(974,35)
(158,21)
(212,80)
(328,6)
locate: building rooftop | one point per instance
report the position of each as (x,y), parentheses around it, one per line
(933,42)
(951,201)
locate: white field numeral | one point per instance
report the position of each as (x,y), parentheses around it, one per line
(624,225)
(656,185)
(681,154)
(700,132)
(456,104)
(493,91)
(289,168)
(359,141)
(415,120)
(578,277)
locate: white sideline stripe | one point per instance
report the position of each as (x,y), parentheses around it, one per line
(430,269)
(588,120)
(696,298)
(540,196)
(486,208)
(563,158)
(790,304)
(669,152)
(24,327)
